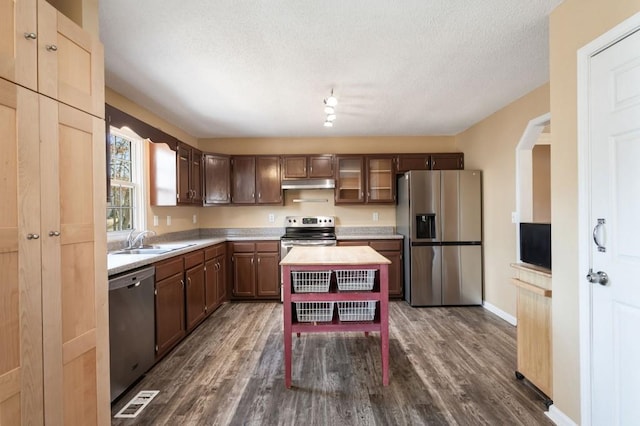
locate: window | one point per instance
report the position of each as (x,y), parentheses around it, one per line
(125,211)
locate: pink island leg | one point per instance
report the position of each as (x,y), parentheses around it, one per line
(384,322)
(287,325)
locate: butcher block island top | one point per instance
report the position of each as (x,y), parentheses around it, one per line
(311,309)
(341,255)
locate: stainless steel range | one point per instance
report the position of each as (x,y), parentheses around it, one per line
(307,231)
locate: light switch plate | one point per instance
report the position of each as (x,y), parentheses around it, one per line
(168,220)
(195,218)
(155,220)
(514,217)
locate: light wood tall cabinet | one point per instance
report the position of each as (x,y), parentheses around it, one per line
(54,362)
(533,301)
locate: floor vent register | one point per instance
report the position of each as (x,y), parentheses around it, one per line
(136,405)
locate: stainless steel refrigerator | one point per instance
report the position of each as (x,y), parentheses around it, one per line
(439,213)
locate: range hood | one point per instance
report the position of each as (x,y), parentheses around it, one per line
(309,184)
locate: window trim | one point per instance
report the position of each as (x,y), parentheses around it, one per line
(137,177)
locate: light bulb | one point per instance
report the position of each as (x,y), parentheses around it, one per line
(328,124)
(329,110)
(331,101)
(331,117)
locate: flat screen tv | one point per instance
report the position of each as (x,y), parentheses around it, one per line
(535,244)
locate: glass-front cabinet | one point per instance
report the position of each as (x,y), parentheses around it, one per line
(381,178)
(350,179)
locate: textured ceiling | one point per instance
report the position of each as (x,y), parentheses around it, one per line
(241,68)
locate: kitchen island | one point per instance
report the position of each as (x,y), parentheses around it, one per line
(319,260)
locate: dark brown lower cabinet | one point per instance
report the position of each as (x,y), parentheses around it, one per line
(170,303)
(194,289)
(215,277)
(255,269)
(392,250)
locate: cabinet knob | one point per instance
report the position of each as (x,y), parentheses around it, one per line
(32,236)
(51,47)
(54,233)
(30,36)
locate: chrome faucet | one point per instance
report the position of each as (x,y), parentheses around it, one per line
(138,241)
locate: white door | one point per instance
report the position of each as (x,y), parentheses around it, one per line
(614,134)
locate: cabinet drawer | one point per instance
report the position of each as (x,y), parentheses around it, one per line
(353,243)
(244,247)
(169,267)
(193,259)
(386,245)
(214,251)
(267,246)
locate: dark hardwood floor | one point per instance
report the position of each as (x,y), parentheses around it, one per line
(447,366)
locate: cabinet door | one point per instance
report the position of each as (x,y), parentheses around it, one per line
(70,62)
(19,52)
(447,161)
(21,373)
(268,180)
(211,285)
(321,166)
(381,180)
(294,167)
(183,173)
(75,304)
(221,263)
(195,177)
(267,276)
(408,162)
(195,296)
(395,273)
(350,181)
(243,180)
(244,274)
(216,179)
(170,327)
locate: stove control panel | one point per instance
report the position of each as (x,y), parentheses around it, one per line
(309,221)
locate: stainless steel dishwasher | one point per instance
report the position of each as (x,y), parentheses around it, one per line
(131,327)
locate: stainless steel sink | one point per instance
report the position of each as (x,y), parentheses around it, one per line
(154,249)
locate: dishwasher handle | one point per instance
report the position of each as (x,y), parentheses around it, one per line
(131,279)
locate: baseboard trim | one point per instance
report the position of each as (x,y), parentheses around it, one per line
(499,312)
(558,417)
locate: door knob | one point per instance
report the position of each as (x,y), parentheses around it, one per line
(599,277)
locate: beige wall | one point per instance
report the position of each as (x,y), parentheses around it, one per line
(490,146)
(346,145)
(541,174)
(572,25)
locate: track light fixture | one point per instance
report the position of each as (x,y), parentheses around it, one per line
(330,109)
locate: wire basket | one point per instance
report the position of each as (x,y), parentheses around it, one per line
(314,311)
(357,311)
(355,279)
(311,281)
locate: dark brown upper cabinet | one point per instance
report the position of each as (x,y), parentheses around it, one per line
(189,171)
(268,180)
(307,166)
(243,180)
(256,180)
(447,161)
(443,161)
(217,179)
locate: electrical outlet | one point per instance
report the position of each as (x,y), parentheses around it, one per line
(272,218)
(155,220)
(514,217)
(375,216)
(195,218)
(168,220)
